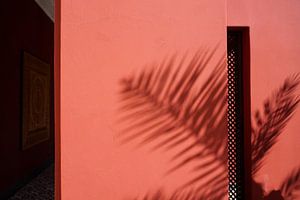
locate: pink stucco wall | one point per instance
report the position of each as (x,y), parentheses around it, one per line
(274,32)
(105,41)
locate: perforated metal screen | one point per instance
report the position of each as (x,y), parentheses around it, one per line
(234,115)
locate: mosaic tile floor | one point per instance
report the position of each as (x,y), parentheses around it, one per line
(40,188)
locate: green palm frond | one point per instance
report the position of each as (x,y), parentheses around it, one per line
(270,123)
(166,108)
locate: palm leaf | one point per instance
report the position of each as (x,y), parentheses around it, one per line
(270,123)
(165,108)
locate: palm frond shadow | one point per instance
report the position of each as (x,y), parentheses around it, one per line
(290,187)
(166,107)
(267,126)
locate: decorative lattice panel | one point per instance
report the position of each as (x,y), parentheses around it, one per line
(235,119)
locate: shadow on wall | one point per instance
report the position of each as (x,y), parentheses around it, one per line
(267,126)
(163,107)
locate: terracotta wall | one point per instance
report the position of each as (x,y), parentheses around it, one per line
(274,32)
(103,42)
(24,26)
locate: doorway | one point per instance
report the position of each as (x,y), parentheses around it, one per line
(27,101)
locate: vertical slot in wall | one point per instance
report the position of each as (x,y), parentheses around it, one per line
(239,158)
